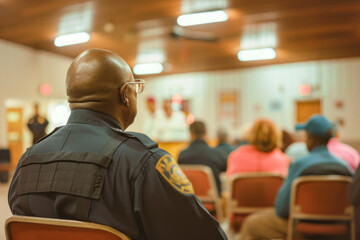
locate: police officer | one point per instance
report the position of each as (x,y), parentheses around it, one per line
(37,125)
(92,170)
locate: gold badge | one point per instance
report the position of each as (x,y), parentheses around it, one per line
(171,171)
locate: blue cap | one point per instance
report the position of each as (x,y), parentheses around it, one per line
(317,125)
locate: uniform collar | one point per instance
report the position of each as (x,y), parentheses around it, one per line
(81,115)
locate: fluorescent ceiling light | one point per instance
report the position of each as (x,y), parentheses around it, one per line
(256,54)
(148,68)
(202,18)
(71,39)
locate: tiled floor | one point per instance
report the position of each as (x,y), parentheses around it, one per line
(4,208)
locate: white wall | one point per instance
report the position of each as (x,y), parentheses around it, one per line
(23,69)
(332,80)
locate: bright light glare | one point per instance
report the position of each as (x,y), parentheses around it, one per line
(59,115)
(256,54)
(202,18)
(71,39)
(148,68)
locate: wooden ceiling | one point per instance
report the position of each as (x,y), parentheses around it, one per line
(304,29)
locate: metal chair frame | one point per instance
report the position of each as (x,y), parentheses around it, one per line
(212,196)
(61,225)
(295,209)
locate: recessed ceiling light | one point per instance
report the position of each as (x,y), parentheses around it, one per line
(256,54)
(70,39)
(148,68)
(202,18)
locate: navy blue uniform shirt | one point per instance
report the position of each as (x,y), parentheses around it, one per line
(93,171)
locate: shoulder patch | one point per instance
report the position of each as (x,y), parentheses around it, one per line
(170,170)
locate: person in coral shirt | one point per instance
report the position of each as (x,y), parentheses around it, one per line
(262,154)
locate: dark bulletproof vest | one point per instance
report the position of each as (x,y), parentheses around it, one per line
(81,174)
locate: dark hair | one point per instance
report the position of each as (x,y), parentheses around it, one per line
(198,129)
(319,140)
(287,139)
(222,135)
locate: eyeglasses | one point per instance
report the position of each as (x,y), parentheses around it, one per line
(138,83)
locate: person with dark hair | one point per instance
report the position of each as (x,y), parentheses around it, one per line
(93,170)
(335,146)
(287,140)
(223,143)
(37,125)
(269,224)
(199,152)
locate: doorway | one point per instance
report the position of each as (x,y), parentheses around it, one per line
(305,109)
(14,121)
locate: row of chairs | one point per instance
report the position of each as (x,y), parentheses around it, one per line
(313,198)
(320,198)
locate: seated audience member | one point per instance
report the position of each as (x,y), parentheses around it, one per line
(223,144)
(343,151)
(298,149)
(93,170)
(354,195)
(269,224)
(200,153)
(242,135)
(287,140)
(262,154)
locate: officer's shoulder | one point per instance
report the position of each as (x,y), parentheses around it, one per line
(139,137)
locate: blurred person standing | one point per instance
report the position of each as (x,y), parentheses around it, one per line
(262,154)
(172,125)
(199,152)
(37,125)
(152,118)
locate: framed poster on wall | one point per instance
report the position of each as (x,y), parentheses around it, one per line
(228,108)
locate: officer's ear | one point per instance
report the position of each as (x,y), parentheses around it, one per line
(123,96)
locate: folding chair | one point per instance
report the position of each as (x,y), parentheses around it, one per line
(250,193)
(323,199)
(35,228)
(203,181)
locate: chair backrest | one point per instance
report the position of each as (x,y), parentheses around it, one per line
(321,197)
(203,181)
(251,192)
(35,228)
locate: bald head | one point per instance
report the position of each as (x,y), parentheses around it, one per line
(93,82)
(94,77)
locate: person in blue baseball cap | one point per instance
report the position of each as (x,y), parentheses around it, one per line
(273,223)
(317,125)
